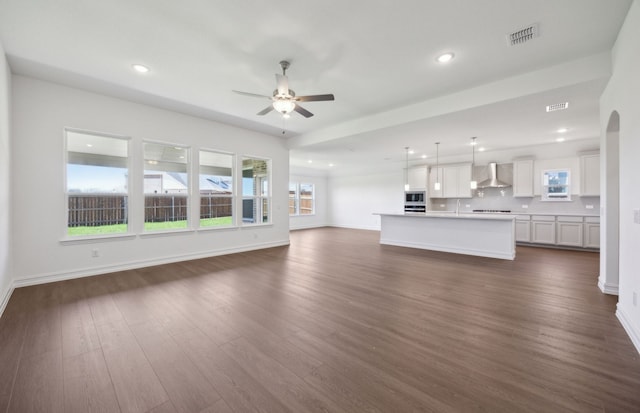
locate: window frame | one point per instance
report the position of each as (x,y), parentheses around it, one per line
(257,199)
(298,199)
(189,193)
(547,196)
(66,238)
(232,197)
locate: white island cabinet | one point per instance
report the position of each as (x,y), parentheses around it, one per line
(484,235)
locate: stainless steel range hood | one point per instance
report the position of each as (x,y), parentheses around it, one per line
(493,181)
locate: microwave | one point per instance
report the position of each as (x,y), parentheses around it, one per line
(415,197)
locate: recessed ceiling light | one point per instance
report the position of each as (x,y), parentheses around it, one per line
(481,149)
(559,139)
(331,164)
(445,57)
(562,130)
(310,161)
(140,68)
(411,151)
(89,145)
(424,156)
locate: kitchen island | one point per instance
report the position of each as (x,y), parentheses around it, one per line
(485,235)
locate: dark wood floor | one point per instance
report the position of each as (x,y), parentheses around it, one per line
(333,323)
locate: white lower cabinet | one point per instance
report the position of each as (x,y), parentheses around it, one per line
(543,229)
(523,228)
(569,231)
(592,232)
(559,230)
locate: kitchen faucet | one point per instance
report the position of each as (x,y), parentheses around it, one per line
(458,207)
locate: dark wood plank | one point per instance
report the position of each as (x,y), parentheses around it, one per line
(39,384)
(188,389)
(87,384)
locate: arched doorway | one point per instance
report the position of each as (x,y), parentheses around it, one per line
(610,209)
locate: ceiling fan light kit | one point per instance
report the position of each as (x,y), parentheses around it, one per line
(284,100)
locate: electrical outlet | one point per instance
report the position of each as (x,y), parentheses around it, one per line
(589,206)
(467,206)
(525,206)
(442,205)
(95,253)
(636,216)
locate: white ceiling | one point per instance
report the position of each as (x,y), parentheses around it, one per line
(376,57)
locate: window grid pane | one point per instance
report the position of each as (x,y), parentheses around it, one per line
(166,187)
(216,189)
(97,184)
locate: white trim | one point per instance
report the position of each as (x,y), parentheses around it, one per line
(5,300)
(365,227)
(88,272)
(295,227)
(611,289)
(628,327)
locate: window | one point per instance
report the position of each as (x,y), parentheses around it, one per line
(556,185)
(301,199)
(255,191)
(166,187)
(216,189)
(97,186)
(293,198)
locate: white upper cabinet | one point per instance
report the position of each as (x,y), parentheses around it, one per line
(456,181)
(590,174)
(417,178)
(523,178)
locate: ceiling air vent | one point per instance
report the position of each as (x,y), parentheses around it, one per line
(523,35)
(557,106)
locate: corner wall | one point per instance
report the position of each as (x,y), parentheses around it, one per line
(41,110)
(623,95)
(5,179)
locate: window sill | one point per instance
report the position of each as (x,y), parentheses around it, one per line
(166,232)
(221,228)
(265,224)
(96,238)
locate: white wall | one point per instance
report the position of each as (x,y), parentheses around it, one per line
(319,219)
(40,112)
(5,178)
(623,95)
(353,200)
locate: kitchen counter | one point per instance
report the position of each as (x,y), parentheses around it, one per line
(481,234)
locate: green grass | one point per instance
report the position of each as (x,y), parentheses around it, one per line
(148,226)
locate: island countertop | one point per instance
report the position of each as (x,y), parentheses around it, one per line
(486,235)
(447,214)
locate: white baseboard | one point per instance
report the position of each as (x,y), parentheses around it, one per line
(4,299)
(293,228)
(611,289)
(368,228)
(88,272)
(628,327)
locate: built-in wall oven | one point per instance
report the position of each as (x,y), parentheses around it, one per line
(415,201)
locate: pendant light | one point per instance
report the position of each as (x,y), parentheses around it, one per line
(436,185)
(406,171)
(474,183)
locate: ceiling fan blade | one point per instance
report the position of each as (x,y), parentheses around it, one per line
(283,84)
(254,95)
(303,111)
(266,110)
(314,98)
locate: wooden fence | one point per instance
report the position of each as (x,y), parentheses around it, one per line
(104,209)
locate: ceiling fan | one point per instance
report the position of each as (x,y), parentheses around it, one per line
(284,100)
